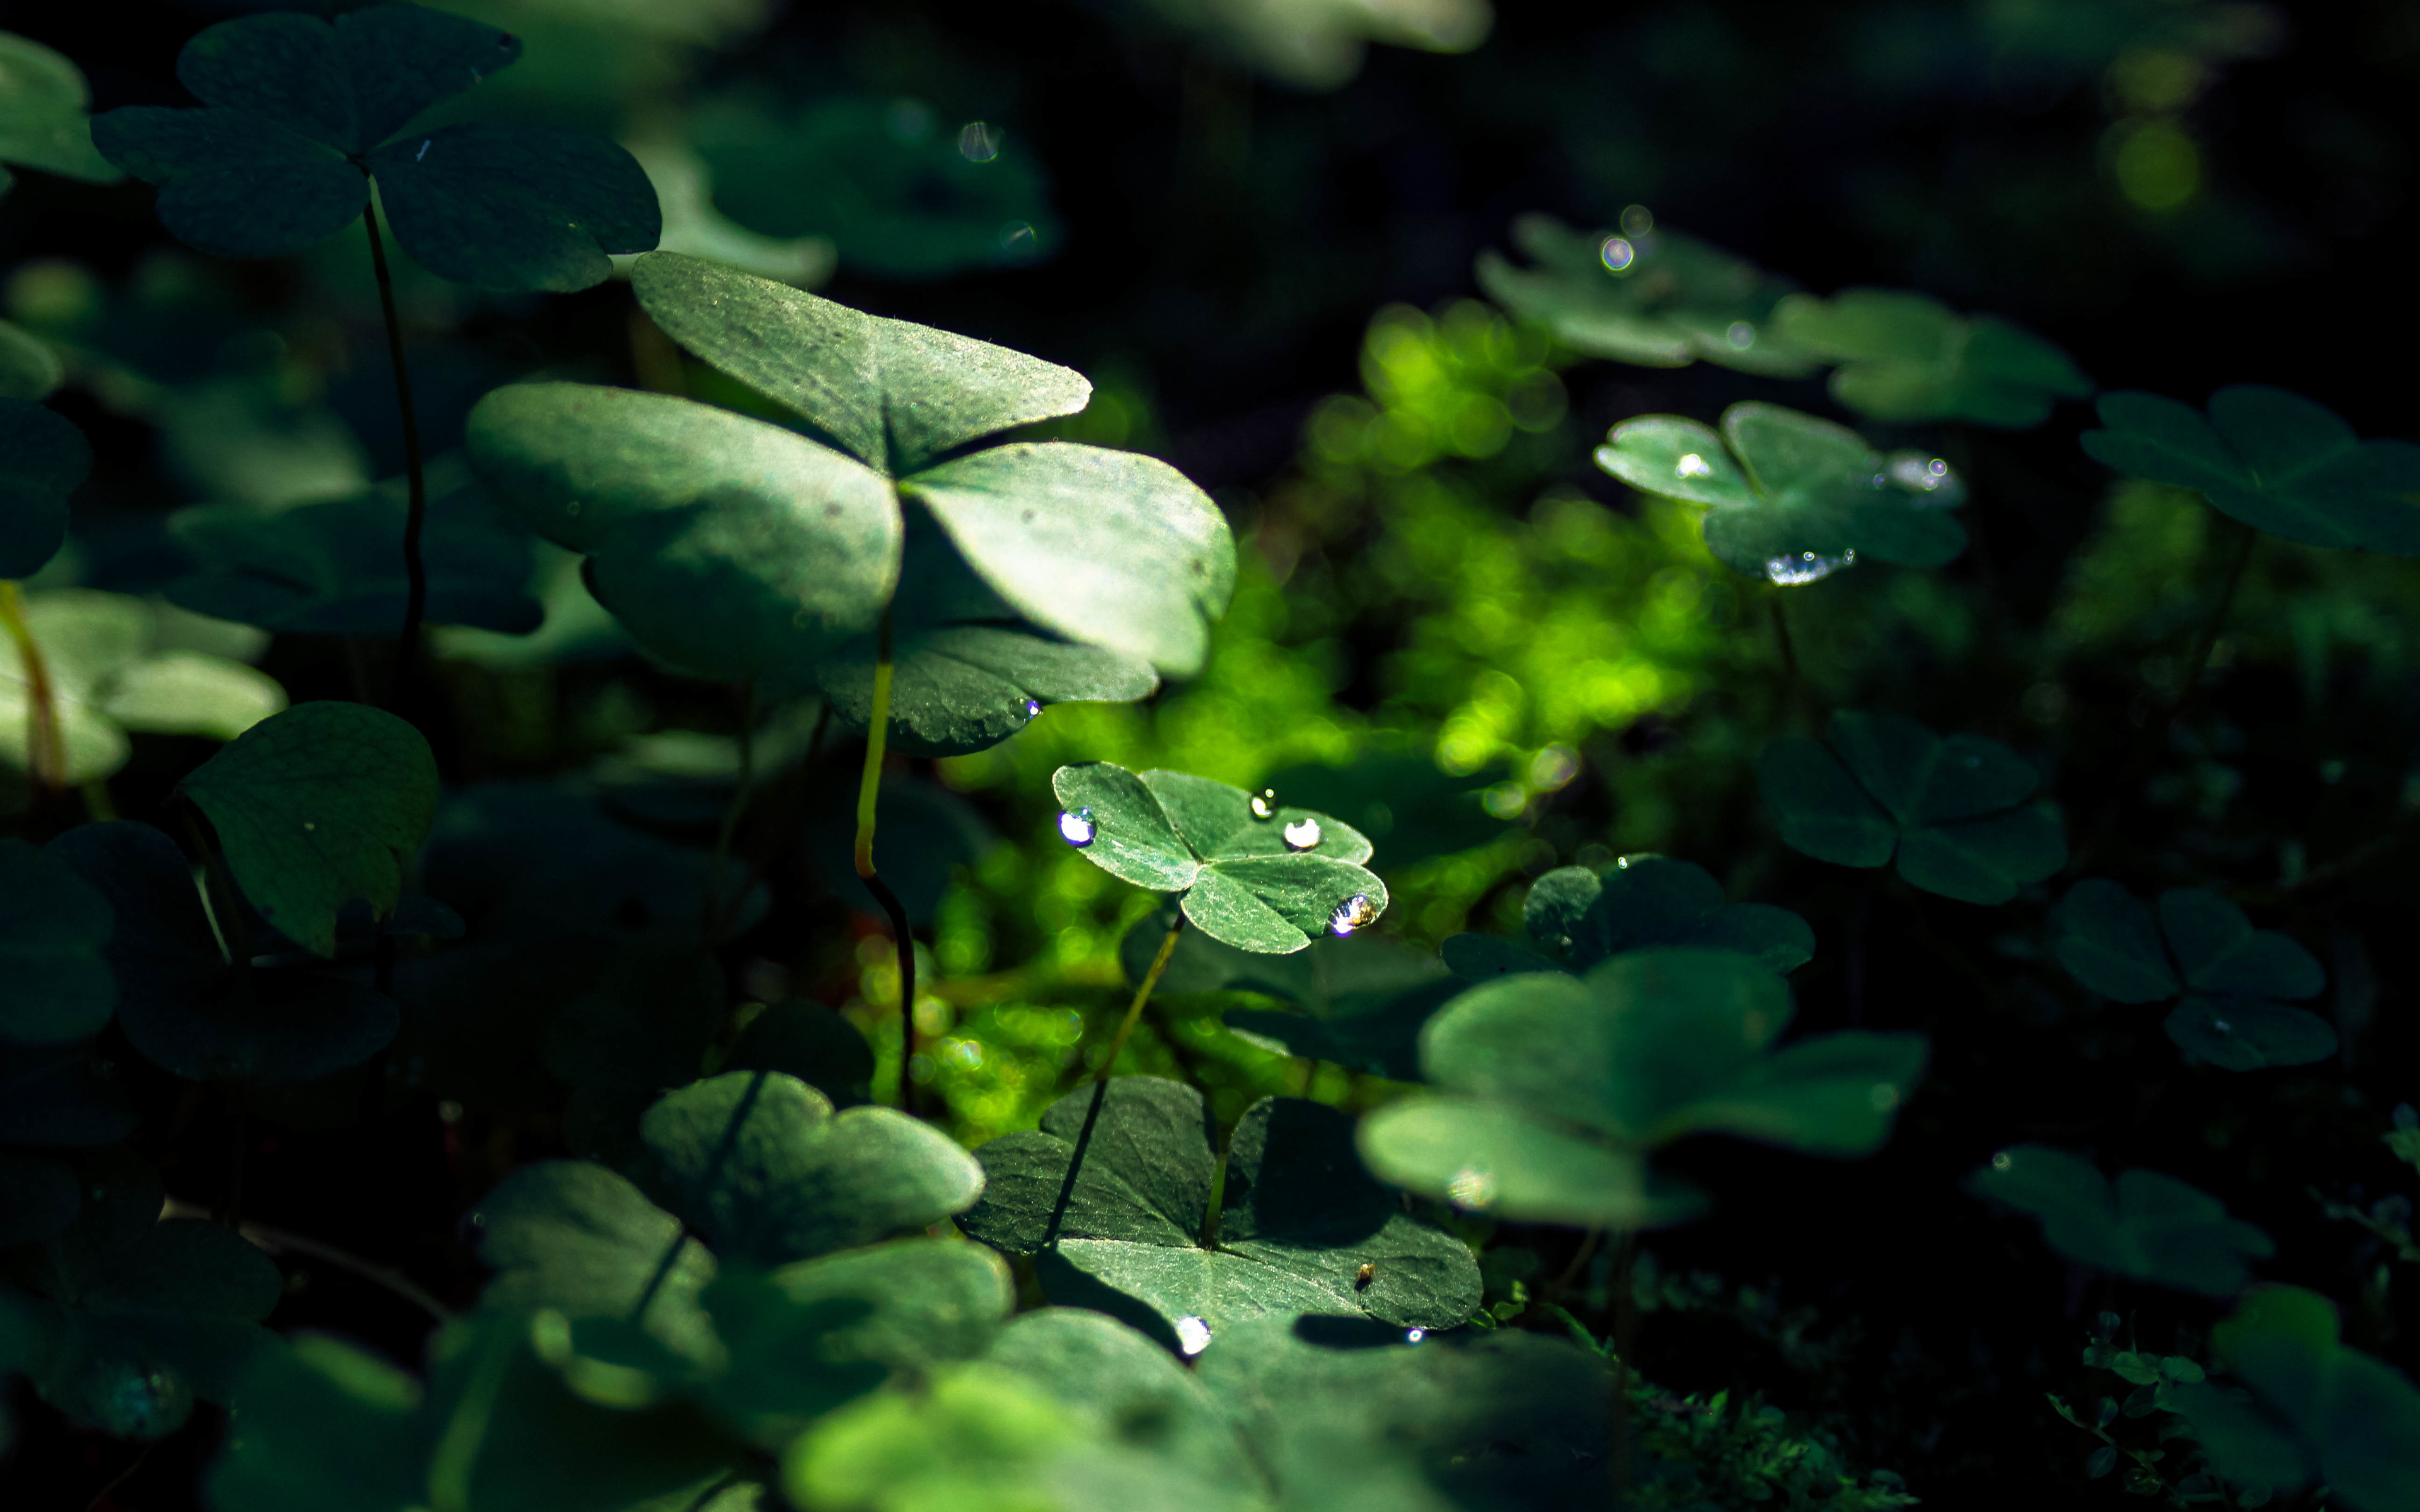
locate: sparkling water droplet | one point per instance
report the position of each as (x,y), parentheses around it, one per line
(1192,1335)
(1807,568)
(1264,804)
(1741,335)
(1930,479)
(1617,254)
(1637,220)
(1694,466)
(1302,835)
(1033,709)
(1473,1186)
(1414,1336)
(2002,1161)
(1076,828)
(1356,912)
(2222,1025)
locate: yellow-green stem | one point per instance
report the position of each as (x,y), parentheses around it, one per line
(1142,996)
(45,751)
(869,789)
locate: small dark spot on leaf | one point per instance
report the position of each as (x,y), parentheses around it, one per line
(831,511)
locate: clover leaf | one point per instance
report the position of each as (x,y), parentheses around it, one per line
(336,568)
(61,1097)
(44,458)
(1552,1088)
(302,113)
(1791,498)
(1358,1001)
(1655,298)
(316,807)
(1136,1393)
(1906,357)
(2307,1407)
(2228,974)
(130,1315)
(581,1239)
(1255,875)
(759,1164)
(1953,808)
(1113,1194)
(2275,460)
(42,122)
(183,1003)
(2143,1225)
(325,1424)
(1575,917)
(899,194)
(110,675)
(53,928)
(1350,1414)
(29,369)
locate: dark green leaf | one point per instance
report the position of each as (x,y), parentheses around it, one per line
(1127,1384)
(336,568)
(1661,299)
(234,183)
(515,207)
(896,395)
(52,928)
(764,1169)
(182,1004)
(2221,953)
(729,547)
(581,1240)
(38,1198)
(29,369)
(1904,357)
(810,1043)
(44,458)
(960,688)
(60,1097)
(2145,1225)
(317,806)
(1640,900)
(1950,807)
(1300,1219)
(1400,798)
(324,1425)
(1791,498)
(2108,940)
(2275,460)
(2248,1034)
(349,83)
(43,121)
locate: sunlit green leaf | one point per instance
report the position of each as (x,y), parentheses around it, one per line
(2143,1225)
(1906,357)
(2276,461)
(318,806)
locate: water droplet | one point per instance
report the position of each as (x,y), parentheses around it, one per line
(1693,466)
(1637,220)
(1192,1335)
(1017,237)
(1414,1336)
(1741,335)
(2002,1161)
(1076,827)
(1617,254)
(424,145)
(1033,709)
(1473,1186)
(1302,835)
(2222,1025)
(1884,1097)
(1807,568)
(1930,478)
(978,143)
(1264,804)
(1356,912)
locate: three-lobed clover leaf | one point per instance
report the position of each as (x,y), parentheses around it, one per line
(1575,917)
(898,193)
(2143,1225)
(1903,357)
(1655,298)
(1113,1196)
(1952,809)
(336,568)
(1552,1088)
(54,929)
(1789,498)
(1357,1001)
(2229,975)
(1134,1391)
(126,1317)
(2275,460)
(316,807)
(301,114)
(43,124)
(1255,874)
(183,1003)
(2306,1407)
(111,675)
(44,458)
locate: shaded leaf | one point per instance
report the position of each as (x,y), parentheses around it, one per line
(1906,357)
(44,458)
(318,806)
(61,1097)
(2143,1225)
(2248,1034)
(581,1240)
(325,1424)
(810,1043)
(1641,901)
(1131,1388)
(52,928)
(515,207)
(29,369)
(42,121)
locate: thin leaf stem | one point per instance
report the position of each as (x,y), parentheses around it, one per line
(280,1240)
(415,599)
(869,789)
(45,746)
(226,903)
(1142,996)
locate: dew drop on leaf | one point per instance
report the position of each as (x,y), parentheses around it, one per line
(1192,1335)
(1264,804)
(1414,1336)
(1741,335)
(1303,835)
(1807,568)
(1356,912)
(1693,466)
(1618,255)
(1076,827)
(1033,709)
